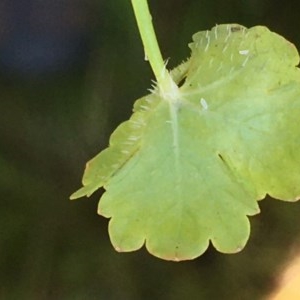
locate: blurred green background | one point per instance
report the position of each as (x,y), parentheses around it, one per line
(69,73)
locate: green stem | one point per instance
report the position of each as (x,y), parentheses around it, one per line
(164,80)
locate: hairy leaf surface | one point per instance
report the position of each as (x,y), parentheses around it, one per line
(184,172)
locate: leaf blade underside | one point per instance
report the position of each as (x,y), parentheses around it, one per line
(185,172)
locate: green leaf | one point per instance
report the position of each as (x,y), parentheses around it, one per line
(184,172)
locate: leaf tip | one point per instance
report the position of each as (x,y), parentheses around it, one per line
(118,249)
(74,196)
(80,193)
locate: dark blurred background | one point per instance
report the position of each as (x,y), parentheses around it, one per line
(69,73)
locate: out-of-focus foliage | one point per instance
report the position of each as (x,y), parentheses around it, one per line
(56,114)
